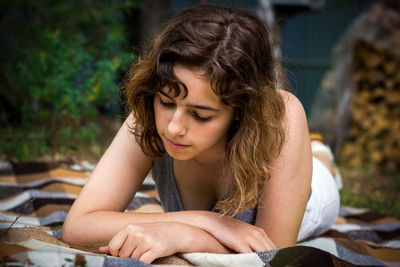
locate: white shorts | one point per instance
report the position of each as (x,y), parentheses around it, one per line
(323,205)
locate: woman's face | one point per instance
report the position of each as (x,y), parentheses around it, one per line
(194,127)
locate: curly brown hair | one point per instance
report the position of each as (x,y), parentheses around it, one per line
(234,48)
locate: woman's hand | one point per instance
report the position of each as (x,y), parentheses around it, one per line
(239,236)
(149,241)
(144,242)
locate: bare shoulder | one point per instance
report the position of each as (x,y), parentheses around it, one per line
(292,103)
(295,115)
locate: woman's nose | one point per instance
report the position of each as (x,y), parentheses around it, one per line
(176,125)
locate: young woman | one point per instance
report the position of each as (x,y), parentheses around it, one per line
(230,152)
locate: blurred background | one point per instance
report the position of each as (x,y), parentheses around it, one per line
(62,65)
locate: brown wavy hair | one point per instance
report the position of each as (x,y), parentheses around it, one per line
(234,48)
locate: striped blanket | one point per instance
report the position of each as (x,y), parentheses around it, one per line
(35,198)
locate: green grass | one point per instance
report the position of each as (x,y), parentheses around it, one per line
(374,189)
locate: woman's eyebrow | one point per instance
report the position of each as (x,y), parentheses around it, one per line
(202,107)
(191,105)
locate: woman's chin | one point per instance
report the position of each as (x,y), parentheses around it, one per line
(179,154)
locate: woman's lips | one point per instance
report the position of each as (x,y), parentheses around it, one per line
(175,145)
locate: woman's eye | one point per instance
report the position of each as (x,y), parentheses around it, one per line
(200,118)
(167,104)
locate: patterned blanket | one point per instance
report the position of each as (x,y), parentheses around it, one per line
(35,198)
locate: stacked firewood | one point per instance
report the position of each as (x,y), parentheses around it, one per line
(374,133)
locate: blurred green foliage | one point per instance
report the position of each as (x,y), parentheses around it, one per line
(61,66)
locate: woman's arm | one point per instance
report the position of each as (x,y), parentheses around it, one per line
(286,193)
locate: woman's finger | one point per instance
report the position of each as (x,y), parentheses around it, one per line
(104,250)
(126,249)
(116,243)
(261,245)
(149,256)
(270,244)
(244,249)
(266,242)
(139,251)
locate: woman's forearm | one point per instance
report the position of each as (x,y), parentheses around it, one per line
(99,227)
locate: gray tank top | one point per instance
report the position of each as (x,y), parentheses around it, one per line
(163,175)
